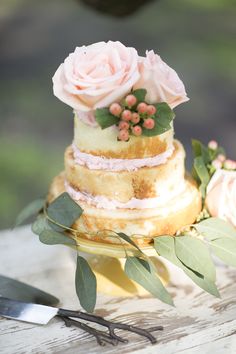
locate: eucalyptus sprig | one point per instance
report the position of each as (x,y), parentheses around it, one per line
(190,249)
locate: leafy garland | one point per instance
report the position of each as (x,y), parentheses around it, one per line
(188,249)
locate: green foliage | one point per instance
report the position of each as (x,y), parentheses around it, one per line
(137,271)
(104,118)
(225,249)
(163,118)
(85,284)
(63,211)
(30,210)
(129,240)
(214,228)
(140,94)
(165,247)
(194,254)
(52,237)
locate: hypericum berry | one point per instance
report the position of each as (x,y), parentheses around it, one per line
(135,118)
(115,109)
(230,164)
(213,145)
(137,130)
(221,157)
(123,125)
(142,107)
(126,115)
(217,164)
(149,123)
(131,100)
(123,135)
(151,109)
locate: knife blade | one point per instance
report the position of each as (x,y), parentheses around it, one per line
(26,312)
(17,290)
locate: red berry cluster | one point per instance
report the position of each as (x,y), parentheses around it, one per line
(133,117)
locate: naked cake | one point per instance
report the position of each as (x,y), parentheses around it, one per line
(124,167)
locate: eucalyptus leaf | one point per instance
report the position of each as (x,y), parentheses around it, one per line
(52,237)
(86,284)
(30,210)
(163,118)
(214,228)
(129,240)
(104,118)
(63,210)
(165,247)
(140,94)
(137,271)
(40,224)
(225,249)
(195,255)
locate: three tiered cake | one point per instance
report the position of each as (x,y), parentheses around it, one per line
(124,168)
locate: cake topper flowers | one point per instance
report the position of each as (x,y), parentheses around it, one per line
(103,74)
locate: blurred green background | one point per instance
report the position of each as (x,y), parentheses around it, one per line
(196,37)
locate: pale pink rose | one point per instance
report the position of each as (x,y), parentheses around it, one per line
(96,76)
(161,82)
(221,195)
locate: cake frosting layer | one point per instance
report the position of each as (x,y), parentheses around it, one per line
(112,164)
(95,141)
(102,202)
(146,182)
(144,224)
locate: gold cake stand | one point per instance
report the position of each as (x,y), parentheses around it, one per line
(107,262)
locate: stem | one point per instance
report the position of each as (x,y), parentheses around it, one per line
(101,337)
(111,325)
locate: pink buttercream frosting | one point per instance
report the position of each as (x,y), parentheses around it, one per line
(103,202)
(103,163)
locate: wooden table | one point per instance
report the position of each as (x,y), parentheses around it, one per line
(199,323)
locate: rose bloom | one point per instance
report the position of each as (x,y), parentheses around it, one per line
(161,82)
(97,75)
(221,195)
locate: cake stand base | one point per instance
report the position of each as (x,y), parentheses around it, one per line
(107,262)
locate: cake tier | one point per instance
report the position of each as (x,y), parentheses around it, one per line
(103,142)
(143,224)
(162,181)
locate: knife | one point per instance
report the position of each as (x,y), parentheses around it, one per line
(41,314)
(17,290)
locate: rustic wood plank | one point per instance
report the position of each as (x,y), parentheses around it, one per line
(198,324)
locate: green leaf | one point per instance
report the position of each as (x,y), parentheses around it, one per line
(104,118)
(140,94)
(137,271)
(40,225)
(63,210)
(85,284)
(201,150)
(31,209)
(195,255)
(225,249)
(165,247)
(201,170)
(129,240)
(163,118)
(51,237)
(214,228)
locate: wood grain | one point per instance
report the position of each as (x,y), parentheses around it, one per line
(198,324)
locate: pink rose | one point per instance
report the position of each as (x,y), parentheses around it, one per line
(161,82)
(96,76)
(221,195)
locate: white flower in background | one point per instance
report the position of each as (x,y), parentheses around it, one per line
(221,195)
